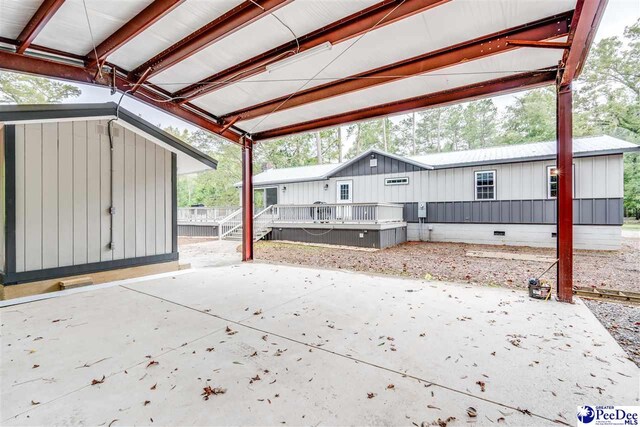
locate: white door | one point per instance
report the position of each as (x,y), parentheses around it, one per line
(344,195)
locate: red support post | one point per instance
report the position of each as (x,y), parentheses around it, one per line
(247,200)
(564,167)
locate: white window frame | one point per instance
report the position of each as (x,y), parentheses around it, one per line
(339,184)
(495,183)
(573,167)
(401,180)
(549,169)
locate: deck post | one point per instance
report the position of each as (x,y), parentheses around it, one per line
(247,199)
(564,167)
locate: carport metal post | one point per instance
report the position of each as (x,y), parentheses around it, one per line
(247,199)
(564,168)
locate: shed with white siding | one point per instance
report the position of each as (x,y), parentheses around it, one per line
(497,195)
(86,189)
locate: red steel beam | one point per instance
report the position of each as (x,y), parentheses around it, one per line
(584,25)
(542,44)
(383,13)
(547,28)
(460,94)
(564,167)
(132,28)
(247,200)
(57,70)
(45,12)
(237,18)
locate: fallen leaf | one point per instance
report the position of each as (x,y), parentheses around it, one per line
(257,312)
(153,362)
(208,391)
(35,366)
(371,395)
(153,387)
(33,402)
(146,402)
(230,331)
(210,349)
(481,384)
(390,387)
(94,381)
(472,412)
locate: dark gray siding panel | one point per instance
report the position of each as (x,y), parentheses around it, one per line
(385,165)
(187,230)
(585,212)
(370,238)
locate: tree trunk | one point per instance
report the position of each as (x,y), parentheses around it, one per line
(340,144)
(413,131)
(319,147)
(384,133)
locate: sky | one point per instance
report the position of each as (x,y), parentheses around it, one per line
(618,15)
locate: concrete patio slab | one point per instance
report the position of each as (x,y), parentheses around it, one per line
(322,341)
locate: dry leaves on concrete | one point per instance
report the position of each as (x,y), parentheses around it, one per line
(209,391)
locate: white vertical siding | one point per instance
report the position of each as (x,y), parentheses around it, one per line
(50,244)
(65,192)
(63,195)
(20,202)
(595,177)
(2,199)
(33,197)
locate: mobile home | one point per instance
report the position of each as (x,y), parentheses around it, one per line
(497,195)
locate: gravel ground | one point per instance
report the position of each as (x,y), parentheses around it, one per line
(448,261)
(623,322)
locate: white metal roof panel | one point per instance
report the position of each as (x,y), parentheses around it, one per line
(302,173)
(173,27)
(301,16)
(15,16)
(488,68)
(68,29)
(445,25)
(524,151)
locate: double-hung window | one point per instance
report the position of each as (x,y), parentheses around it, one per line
(485,185)
(552,182)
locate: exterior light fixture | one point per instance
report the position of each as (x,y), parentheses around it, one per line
(299,57)
(284,188)
(326,187)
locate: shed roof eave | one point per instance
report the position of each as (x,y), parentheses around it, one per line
(49,112)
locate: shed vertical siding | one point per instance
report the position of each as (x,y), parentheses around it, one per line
(63,193)
(3,199)
(50,244)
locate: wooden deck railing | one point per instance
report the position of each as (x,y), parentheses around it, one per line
(348,213)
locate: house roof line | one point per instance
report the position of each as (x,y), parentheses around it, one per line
(46,112)
(538,151)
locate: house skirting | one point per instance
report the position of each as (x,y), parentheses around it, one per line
(344,235)
(198,230)
(593,237)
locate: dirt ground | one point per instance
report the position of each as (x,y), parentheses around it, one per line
(449,262)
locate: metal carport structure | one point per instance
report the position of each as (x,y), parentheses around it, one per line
(251,70)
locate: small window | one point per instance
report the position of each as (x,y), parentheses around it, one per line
(485,185)
(396,181)
(344,191)
(552,182)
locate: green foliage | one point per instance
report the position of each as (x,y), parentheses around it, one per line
(23,89)
(532,118)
